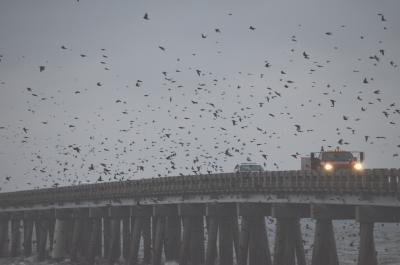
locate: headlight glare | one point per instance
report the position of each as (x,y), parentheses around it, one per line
(358,166)
(328,167)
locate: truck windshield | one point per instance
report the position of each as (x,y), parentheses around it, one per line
(337,156)
(250,168)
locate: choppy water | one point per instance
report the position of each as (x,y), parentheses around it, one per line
(386,235)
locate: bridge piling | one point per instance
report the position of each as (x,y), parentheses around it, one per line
(146,232)
(78,240)
(94,246)
(254,240)
(51,230)
(172,234)
(221,215)
(106,224)
(324,250)
(116,214)
(126,234)
(212,232)
(137,222)
(28,232)
(60,241)
(288,241)
(190,249)
(43,224)
(366,216)
(16,234)
(140,228)
(4,225)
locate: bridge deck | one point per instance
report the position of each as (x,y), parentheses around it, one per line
(370,187)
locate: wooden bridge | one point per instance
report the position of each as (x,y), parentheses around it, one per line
(201,219)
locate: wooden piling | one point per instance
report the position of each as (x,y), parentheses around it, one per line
(254,247)
(106,235)
(43,225)
(367,252)
(244,242)
(61,236)
(3,234)
(94,246)
(185,245)
(172,237)
(212,232)
(28,232)
(15,237)
(79,215)
(191,249)
(224,214)
(114,250)
(116,213)
(288,240)
(135,241)
(126,234)
(324,251)
(146,232)
(159,239)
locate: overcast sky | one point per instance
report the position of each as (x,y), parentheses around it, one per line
(197,87)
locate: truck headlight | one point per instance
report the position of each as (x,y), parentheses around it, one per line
(358,166)
(328,167)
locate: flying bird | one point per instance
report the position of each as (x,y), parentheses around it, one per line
(146,16)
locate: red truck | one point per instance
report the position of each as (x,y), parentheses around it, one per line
(333,160)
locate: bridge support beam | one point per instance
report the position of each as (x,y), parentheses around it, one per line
(193,232)
(61,234)
(4,225)
(288,240)
(254,245)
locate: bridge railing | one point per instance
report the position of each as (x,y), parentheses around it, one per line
(368,182)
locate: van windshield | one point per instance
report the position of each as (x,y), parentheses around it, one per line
(337,156)
(250,168)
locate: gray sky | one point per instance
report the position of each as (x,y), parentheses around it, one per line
(67,124)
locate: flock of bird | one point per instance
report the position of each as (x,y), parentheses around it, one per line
(191,114)
(195,126)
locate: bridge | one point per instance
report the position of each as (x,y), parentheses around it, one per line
(202,219)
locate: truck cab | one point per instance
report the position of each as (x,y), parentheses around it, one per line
(336,160)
